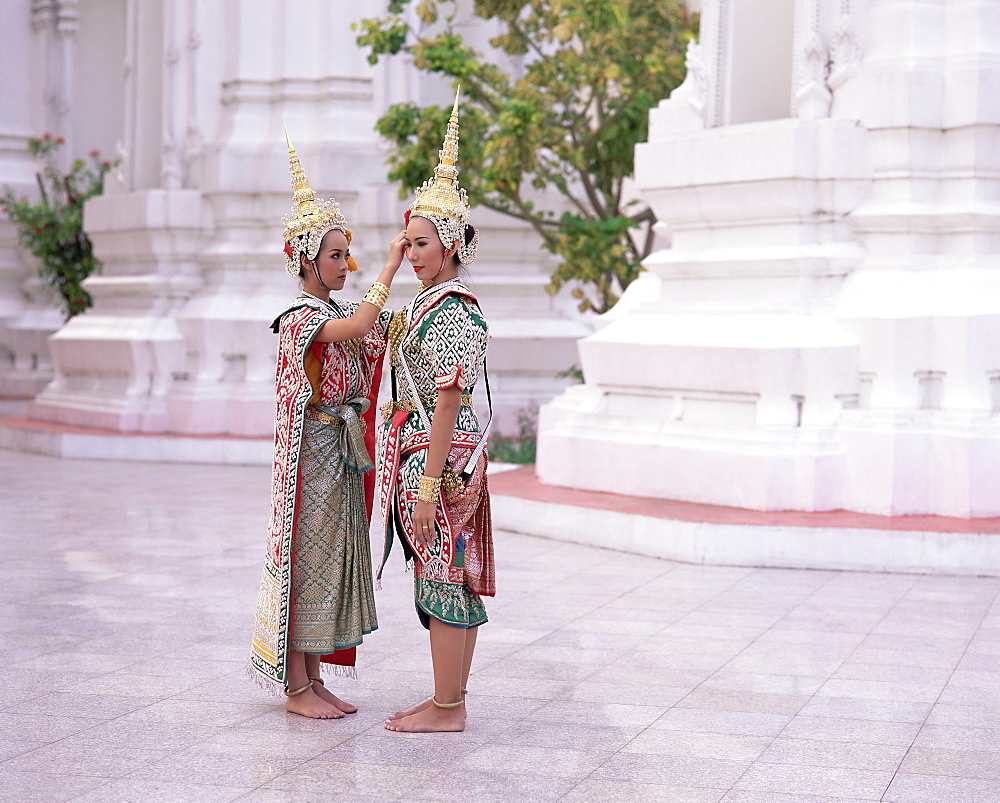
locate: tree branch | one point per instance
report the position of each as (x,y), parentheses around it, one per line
(525,38)
(588,187)
(539,224)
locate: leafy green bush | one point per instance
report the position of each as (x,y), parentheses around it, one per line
(518,448)
(52,228)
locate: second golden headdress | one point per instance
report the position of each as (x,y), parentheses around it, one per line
(443,202)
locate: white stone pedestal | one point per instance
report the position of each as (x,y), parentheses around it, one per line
(29,313)
(824,331)
(115,363)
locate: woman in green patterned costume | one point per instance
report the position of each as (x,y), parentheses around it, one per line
(433,473)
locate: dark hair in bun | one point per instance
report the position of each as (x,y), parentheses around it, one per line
(470,233)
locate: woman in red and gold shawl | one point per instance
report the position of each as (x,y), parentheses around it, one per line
(316,601)
(433,450)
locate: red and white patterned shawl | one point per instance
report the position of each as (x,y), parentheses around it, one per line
(350,370)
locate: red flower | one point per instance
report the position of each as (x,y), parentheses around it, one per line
(60,141)
(46,135)
(38,231)
(106,165)
(406,218)
(288,250)
(94,152)
(70,199)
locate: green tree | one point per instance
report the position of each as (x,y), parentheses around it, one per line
(52,228)
(587,72)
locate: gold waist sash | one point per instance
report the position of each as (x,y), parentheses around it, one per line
(331,420)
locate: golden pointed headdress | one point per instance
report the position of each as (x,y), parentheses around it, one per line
(442,201)
(310,218)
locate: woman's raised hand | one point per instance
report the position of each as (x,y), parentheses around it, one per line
(396,250)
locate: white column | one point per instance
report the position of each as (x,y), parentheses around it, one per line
(720,375)
(276,70)
(29,311)
(116,362)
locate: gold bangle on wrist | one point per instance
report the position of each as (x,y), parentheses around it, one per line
(429,490)
(377,295)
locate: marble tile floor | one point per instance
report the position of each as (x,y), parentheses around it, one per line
(126,596)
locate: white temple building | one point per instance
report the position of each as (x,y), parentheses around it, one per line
(191,97)
(823,331)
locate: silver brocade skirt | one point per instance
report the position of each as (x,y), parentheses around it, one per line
(332,594)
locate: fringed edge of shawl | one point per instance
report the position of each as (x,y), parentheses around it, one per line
(276,690)
(338,671)
(272,687)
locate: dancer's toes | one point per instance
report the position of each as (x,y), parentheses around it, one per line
(329,697)
(309,704)
(347,708)
(408,711)
(430,720)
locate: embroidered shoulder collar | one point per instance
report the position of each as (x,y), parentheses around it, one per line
(308,301)
(426,300)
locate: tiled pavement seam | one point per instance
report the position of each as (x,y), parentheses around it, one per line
(924,724)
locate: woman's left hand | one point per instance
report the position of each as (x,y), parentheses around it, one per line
(423,522)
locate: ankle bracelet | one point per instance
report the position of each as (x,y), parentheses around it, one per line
(297,692)
(446,705)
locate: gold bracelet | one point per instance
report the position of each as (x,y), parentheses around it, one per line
(375,299)
(377,295)
(429,490)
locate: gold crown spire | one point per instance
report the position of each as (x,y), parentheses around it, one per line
(310,219)
(441,200)
(304,198)
(441,194)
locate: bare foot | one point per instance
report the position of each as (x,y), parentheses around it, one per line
(430,720)
(328,696)
(415,710)
(308,704)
